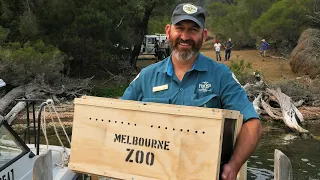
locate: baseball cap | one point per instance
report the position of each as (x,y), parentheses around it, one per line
(188,11)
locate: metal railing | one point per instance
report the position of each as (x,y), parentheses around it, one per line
(36,130)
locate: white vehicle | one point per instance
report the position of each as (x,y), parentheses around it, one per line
(150,43)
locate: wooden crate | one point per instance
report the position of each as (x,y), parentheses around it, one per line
(136,140)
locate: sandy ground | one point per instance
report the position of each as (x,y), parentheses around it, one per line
(273,70)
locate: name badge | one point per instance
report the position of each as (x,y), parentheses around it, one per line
(160,88)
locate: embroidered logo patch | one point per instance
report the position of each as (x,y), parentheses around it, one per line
(204,87)
(190,9)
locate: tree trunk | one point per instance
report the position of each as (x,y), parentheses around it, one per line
(15,111)
(141,30)
(134,55)
(6,100)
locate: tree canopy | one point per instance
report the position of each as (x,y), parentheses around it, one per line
(284,22)
(248,21)
(101,38)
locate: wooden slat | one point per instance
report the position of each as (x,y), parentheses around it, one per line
(282,166)
(191,139)
(243,171)
(192,111)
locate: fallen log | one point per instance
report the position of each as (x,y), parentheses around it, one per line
(6,100)
(289,111)
(15,111)
(38,89)
(256,103)
(269,111)
(277,105)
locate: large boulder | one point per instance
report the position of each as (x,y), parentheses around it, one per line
(305,58)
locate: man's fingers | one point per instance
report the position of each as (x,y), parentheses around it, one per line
(224,177)
(225,172)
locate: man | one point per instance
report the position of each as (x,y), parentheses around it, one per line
(162,50)
(217,46)
(168,50)
(228,46)
(263,48)
(156,50)
(181,75)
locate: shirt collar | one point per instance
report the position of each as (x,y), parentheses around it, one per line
(199,65)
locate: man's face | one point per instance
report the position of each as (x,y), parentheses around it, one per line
(186,39)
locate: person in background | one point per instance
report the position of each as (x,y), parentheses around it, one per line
(156,50)
(217,47)
(189,78)
(264,45)
(228,45)
(168,50)
(162,50)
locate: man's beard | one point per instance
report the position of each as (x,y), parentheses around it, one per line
(185,55)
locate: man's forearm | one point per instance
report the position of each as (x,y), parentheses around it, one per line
(247,141)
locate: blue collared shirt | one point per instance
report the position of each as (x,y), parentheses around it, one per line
(207,84)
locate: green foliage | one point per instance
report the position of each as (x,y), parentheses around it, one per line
(20,64)
(240,70)
(112,91)
(158,24)
(234,20)
(28,26)
(95,37)
(3,34)
(219,19)
(284,21)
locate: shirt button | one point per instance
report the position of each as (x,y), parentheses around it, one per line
(181,89)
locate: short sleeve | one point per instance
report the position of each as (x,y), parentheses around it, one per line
(134,90)
(234,97)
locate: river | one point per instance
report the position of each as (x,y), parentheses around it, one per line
(304,154)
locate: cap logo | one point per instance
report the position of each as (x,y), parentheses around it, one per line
(190,9)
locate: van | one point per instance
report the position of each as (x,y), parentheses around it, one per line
(150,43)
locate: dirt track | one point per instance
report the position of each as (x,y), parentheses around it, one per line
(270,68)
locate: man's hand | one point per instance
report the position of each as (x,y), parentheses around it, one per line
(246,143)
(229,172)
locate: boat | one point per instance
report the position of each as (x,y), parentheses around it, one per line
(21,159)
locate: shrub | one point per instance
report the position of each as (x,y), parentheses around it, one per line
(241,70)
(111,91)
(303,88)
(21,63)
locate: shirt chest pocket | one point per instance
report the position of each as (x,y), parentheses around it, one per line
(206,100)
(158,97)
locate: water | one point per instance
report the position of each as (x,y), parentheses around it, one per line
(304,154)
